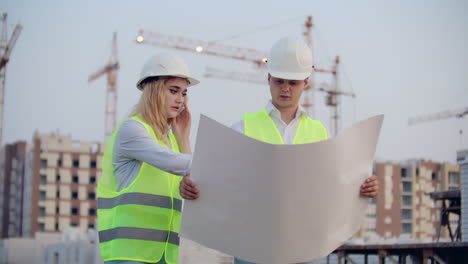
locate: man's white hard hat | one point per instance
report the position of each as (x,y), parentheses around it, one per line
(290,58)
(165,65)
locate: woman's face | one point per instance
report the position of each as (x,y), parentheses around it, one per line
(175,92)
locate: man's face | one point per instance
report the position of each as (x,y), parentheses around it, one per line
(286,93)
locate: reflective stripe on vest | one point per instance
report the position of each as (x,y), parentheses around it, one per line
(138,233)
(260,126)
(139,198)
(140,222)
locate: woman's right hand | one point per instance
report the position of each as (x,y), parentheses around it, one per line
(181,128)
(181,123)
(188,189)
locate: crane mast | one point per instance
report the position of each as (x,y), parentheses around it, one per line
(308,101)
(6,46)
(110,69)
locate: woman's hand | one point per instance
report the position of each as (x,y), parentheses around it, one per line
(188,189)
(370,187)
(181,125)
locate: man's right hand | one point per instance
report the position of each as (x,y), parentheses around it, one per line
(188,189)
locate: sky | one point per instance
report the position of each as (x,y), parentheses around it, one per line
(400,58)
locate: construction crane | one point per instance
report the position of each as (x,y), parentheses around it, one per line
(6,46)
(457,113)
(308,98)
(259,58)
(333,97)
(110,69)
(202,47)
(246,54)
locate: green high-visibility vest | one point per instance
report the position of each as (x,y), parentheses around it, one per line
(260,126)
(142,221)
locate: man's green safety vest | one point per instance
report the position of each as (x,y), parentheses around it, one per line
(260,126)
(142,221)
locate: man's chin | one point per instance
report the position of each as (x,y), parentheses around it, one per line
(285,103)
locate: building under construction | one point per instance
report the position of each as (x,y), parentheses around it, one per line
(404,206)
(430,219)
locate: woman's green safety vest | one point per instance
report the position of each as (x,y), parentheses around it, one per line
(260,126)
(140,222)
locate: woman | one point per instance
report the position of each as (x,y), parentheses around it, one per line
(139,202)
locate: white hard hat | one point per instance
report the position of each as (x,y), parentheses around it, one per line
(290,58)
(165,64)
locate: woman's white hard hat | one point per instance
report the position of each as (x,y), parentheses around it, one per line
(165,65)
(290,58)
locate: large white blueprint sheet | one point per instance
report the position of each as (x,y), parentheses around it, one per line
(278,204)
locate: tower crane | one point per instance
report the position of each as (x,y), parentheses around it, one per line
(257,57)
(6,46)
(201,46)
(333,97)
(308,101)
(457,113)
(110,69)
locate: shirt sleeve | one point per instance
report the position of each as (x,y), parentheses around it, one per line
(239,126)
(136,143)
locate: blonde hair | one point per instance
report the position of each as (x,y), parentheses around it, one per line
(151,107)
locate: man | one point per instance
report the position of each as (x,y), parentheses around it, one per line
(284,121)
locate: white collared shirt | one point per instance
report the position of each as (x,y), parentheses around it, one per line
(287,131)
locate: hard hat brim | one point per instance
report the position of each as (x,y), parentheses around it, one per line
(290,75)
(192,81)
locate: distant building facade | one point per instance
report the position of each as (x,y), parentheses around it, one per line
(48,186)
(462,160)
(15,190)
(403,209)
(65,174)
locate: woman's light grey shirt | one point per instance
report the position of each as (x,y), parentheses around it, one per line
(133,145)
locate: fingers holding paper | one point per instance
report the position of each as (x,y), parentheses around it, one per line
(370,187)
(188,189)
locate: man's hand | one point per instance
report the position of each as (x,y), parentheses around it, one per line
(188,189)
(370,187)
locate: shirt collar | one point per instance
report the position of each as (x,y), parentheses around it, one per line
(273,111)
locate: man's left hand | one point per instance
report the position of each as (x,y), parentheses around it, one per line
(370,187)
